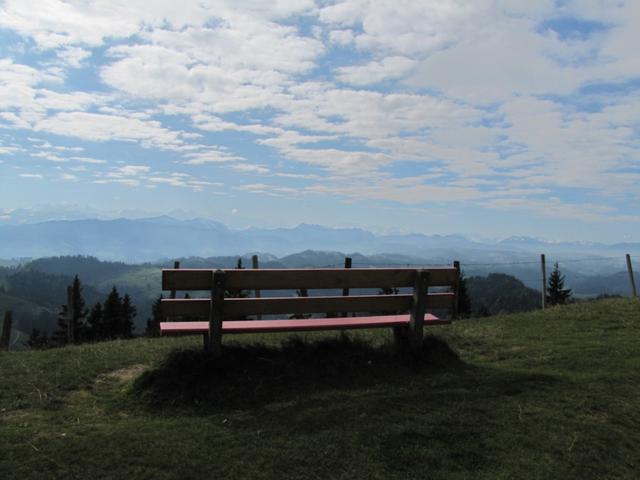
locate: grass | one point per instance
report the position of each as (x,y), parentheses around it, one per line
(552,394)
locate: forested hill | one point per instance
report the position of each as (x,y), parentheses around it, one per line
(499,293)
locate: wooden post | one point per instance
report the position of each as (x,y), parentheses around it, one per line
(543,264)
(345,291)
(634,292)
(418,309)
(5,339)
(176,266)
(216,312)
(456,291)
(71,331)
(255,266)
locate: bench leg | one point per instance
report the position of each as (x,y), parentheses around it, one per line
(400,339)
(213,344)
(214,337)
(416,322)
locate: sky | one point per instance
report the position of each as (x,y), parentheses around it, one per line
(483,117)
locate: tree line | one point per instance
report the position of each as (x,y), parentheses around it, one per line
(108,320)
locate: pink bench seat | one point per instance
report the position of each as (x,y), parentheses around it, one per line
(295,325)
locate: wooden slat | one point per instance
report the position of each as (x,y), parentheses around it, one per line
(288,325)
(237,307)
(440,300)
(191,307)
(186,279)
(292,279)
(199,307)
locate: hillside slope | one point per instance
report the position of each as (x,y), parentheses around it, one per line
(553,394)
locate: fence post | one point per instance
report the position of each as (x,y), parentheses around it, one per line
(543,264)
(176,266)
(345,291)
(634,293)
(255,266)
(6,331)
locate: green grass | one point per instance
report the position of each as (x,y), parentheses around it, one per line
(552,394)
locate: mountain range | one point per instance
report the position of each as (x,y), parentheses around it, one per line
(164,237)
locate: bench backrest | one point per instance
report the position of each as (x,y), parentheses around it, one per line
(305,279)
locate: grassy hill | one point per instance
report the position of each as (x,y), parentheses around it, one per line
(552,394)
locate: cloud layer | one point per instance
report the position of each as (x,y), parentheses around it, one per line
(529,108)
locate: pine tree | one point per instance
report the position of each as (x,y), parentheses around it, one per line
(556,293)
(128,314)
(96,325)
(61,336)
(38,340)
(153,323)
(112,314)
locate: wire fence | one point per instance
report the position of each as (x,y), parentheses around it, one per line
(587,276)
(560,260)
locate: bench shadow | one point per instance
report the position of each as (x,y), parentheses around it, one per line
(254,375)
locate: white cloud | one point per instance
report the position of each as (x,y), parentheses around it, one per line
(73,56)
(47,155)
(240,63)
(100,128)
(406,27)
(129,171)
(9,149)
(341,37)
(249,168)
(211,155)
(374,72)
(556,208)
(94,161)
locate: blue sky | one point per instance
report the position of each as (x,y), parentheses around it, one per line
(483,117)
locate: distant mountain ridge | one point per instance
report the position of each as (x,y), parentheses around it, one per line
(154,238)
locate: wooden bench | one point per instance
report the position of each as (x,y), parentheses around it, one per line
(216,315)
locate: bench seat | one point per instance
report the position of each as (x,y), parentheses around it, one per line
(296,325)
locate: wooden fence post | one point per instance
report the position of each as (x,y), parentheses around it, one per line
(176,266)
(255,266)
(543,264)
(634,293)
(5,339)
(345,291)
